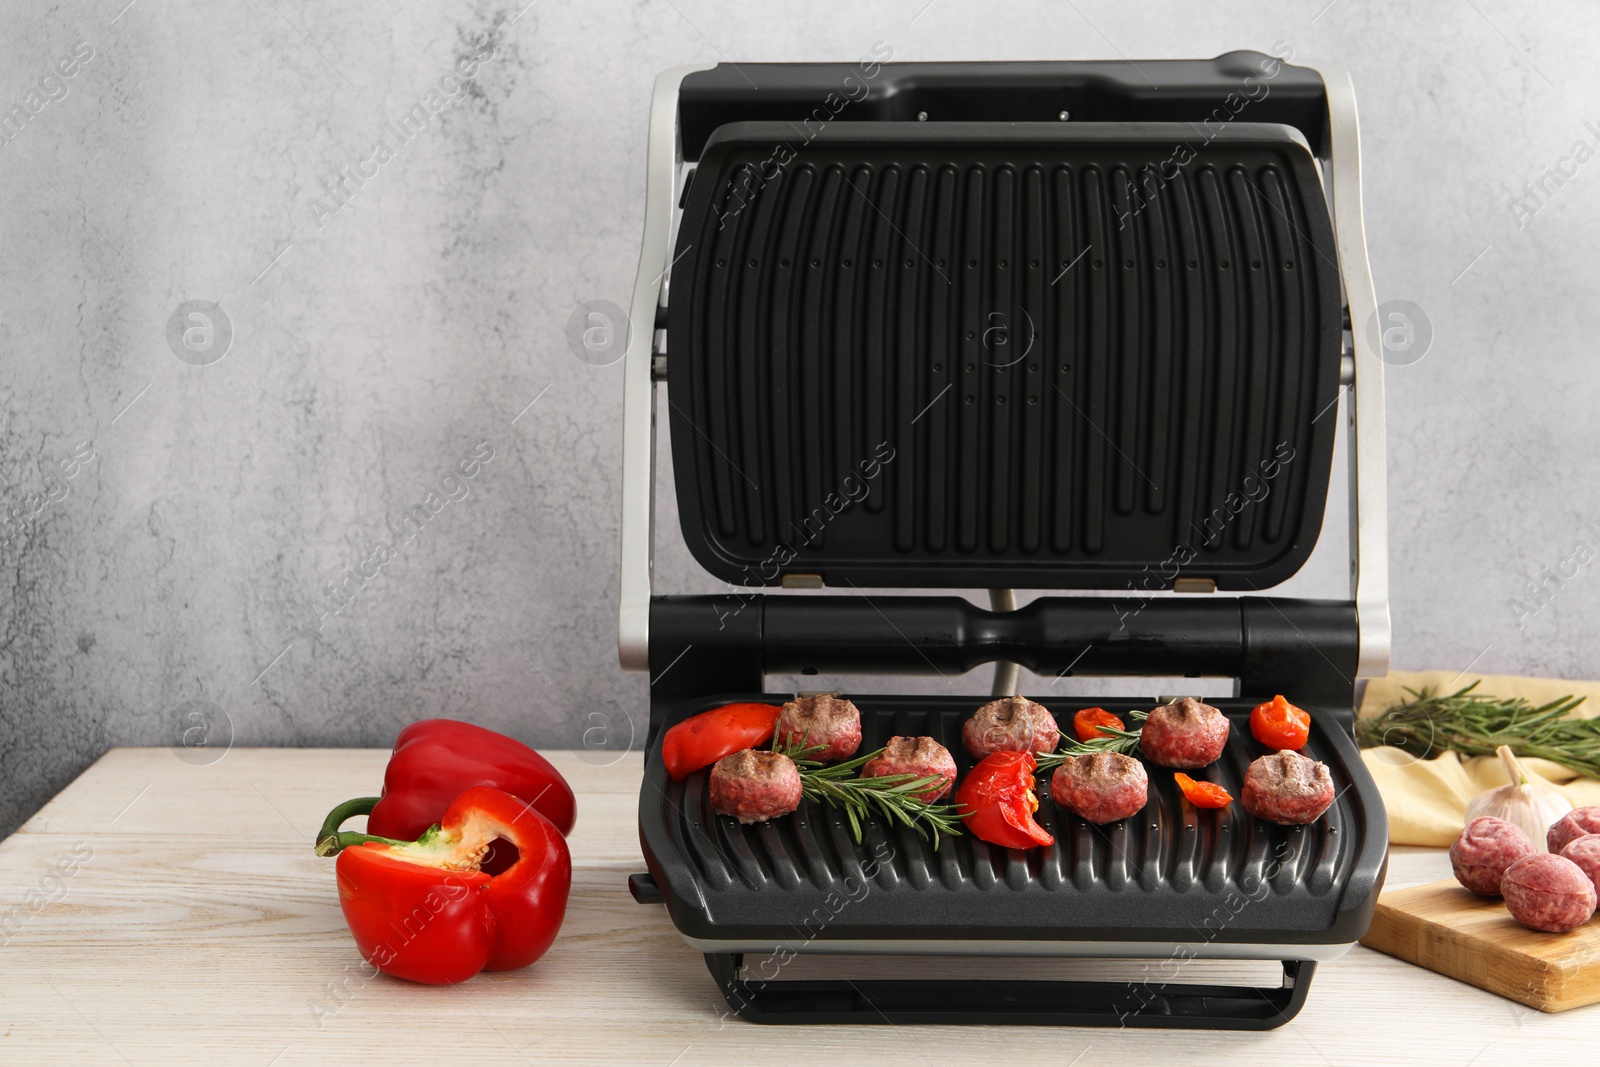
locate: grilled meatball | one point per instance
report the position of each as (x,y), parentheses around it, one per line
(1571,826)
(1010,724)
(1484,850)
(1545,892)
(828,721)
(1102,786)
(1585,852)
(1184,734)
(921,756)
(1287,788)
(754,786)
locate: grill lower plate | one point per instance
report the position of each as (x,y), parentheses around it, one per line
(1173,876)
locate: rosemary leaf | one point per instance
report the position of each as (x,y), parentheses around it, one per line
(1111,739)
(1475,724)
(893,795)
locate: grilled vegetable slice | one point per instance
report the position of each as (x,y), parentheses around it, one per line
(996,801)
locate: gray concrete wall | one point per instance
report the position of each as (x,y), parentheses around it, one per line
(180,523)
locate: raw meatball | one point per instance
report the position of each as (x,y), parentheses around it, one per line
(1585,852)
(1571,826)
(1102,786)
(829,721)
(1287,788)
(921,756)
(1184,734)
(1011,724)
(1484,850)
(1546,892)
(754,786)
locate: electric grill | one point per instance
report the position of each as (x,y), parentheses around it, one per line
(1054,326)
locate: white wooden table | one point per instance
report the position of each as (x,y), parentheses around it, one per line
(187,921)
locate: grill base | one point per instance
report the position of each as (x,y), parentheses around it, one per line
(1172,883)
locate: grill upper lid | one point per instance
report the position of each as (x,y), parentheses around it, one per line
(1044,355)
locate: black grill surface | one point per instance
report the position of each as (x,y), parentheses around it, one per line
(1173,875)
(1033,355)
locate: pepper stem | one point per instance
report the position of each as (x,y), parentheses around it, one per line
(330,839)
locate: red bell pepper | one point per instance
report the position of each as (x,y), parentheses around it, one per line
(996,800)
(703,739)
(435,760)
(425,910)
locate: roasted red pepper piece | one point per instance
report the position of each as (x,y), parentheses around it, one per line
(1203,794)
(434,760)
(701,740)
(1278,724)
(424,910)
(996,800)
(1086,723)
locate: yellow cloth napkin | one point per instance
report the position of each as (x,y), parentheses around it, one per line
(1427,798)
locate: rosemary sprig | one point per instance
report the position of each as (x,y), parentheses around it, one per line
(1110,739)
(1475,724)
(892,795)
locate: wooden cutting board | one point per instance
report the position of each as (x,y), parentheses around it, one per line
(1444,928)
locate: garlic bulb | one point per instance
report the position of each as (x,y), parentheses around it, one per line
(1523,803)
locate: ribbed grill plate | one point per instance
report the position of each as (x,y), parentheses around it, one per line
(1041,355)
(1173,875)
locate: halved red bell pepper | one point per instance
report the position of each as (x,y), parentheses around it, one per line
(996,800)
(425,910)
(434,760)
(701,740)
